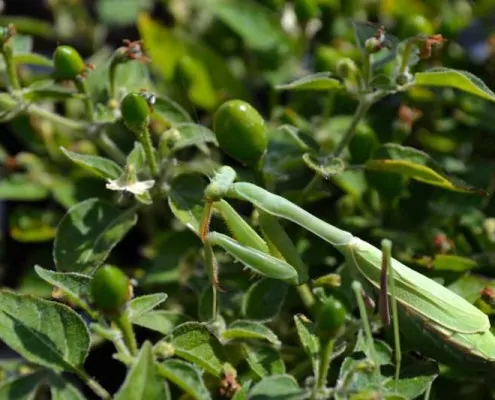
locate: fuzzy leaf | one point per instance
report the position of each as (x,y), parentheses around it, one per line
(186,376)
(99,166)
(319,81)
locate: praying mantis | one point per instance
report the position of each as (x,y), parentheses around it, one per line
(438,322)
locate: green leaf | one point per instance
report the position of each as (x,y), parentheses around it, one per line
(61,389)
(243,329)
(87,234)
(29,26)
(319,81)
(277,387)
(43,332)
(71,283)
(99,166)
(48,89)
(32,225)
(21,187)
(447,262)
(186,376)
(121,12)
(21,44)
(137,157)
(167,46)
(309,341)
(264,360)
(257,25)
(195,343)
(461,80)
(142,381)
(186,199)
(469,287)
(205,304)
(410,162)
(23,387)
(162,321)
(143,304)
(197,135)
(170,112)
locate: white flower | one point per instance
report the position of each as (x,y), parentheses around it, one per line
(136,187)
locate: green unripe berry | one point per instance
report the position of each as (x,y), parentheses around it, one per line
(241,132)
(373,45)
(67,62)
(110,289)
(363,144)
(415,25)
(330,319)
(346,68)
(135,111)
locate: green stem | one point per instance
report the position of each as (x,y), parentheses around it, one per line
(357,288)
(395,314)
(88,104)
(112,336)
(325,359)
(123,322)
(361,110)
(10,67)
(145,139)
(109,147)
(307,297)
(367,70)
(99,390)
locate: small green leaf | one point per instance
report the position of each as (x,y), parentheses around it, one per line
(319,81)
(186,376)
(277,387)
(264,360)
(170,112)
(121,12)
(87,234)
(447,262)
(308,339)
(142,381)
(192,134)
(143,304)
(461,80)
(21,187)
(186,199)
(205,304)
(195,343)
(259,28)
(410,162)
(61,389)
(43,332)
(32,225)
(162,321)
(137,158)
(23,387)
(264,299)
(71,283)
(243,329)
(99,166)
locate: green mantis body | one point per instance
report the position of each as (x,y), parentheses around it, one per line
(438,322)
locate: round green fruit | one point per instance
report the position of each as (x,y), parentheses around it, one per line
(241,132)
(331,317)
(135,111)
(67,62)
(363,144)
(415,25)
(110,289)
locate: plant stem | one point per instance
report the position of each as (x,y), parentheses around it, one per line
(145,139)
(124,324)
(325,358)
(10,67)
(88,104)
(361,110)
(93,385)
(306,296)
(357,288)
(109,147)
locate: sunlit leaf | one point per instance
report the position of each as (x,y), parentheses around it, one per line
(319,81)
